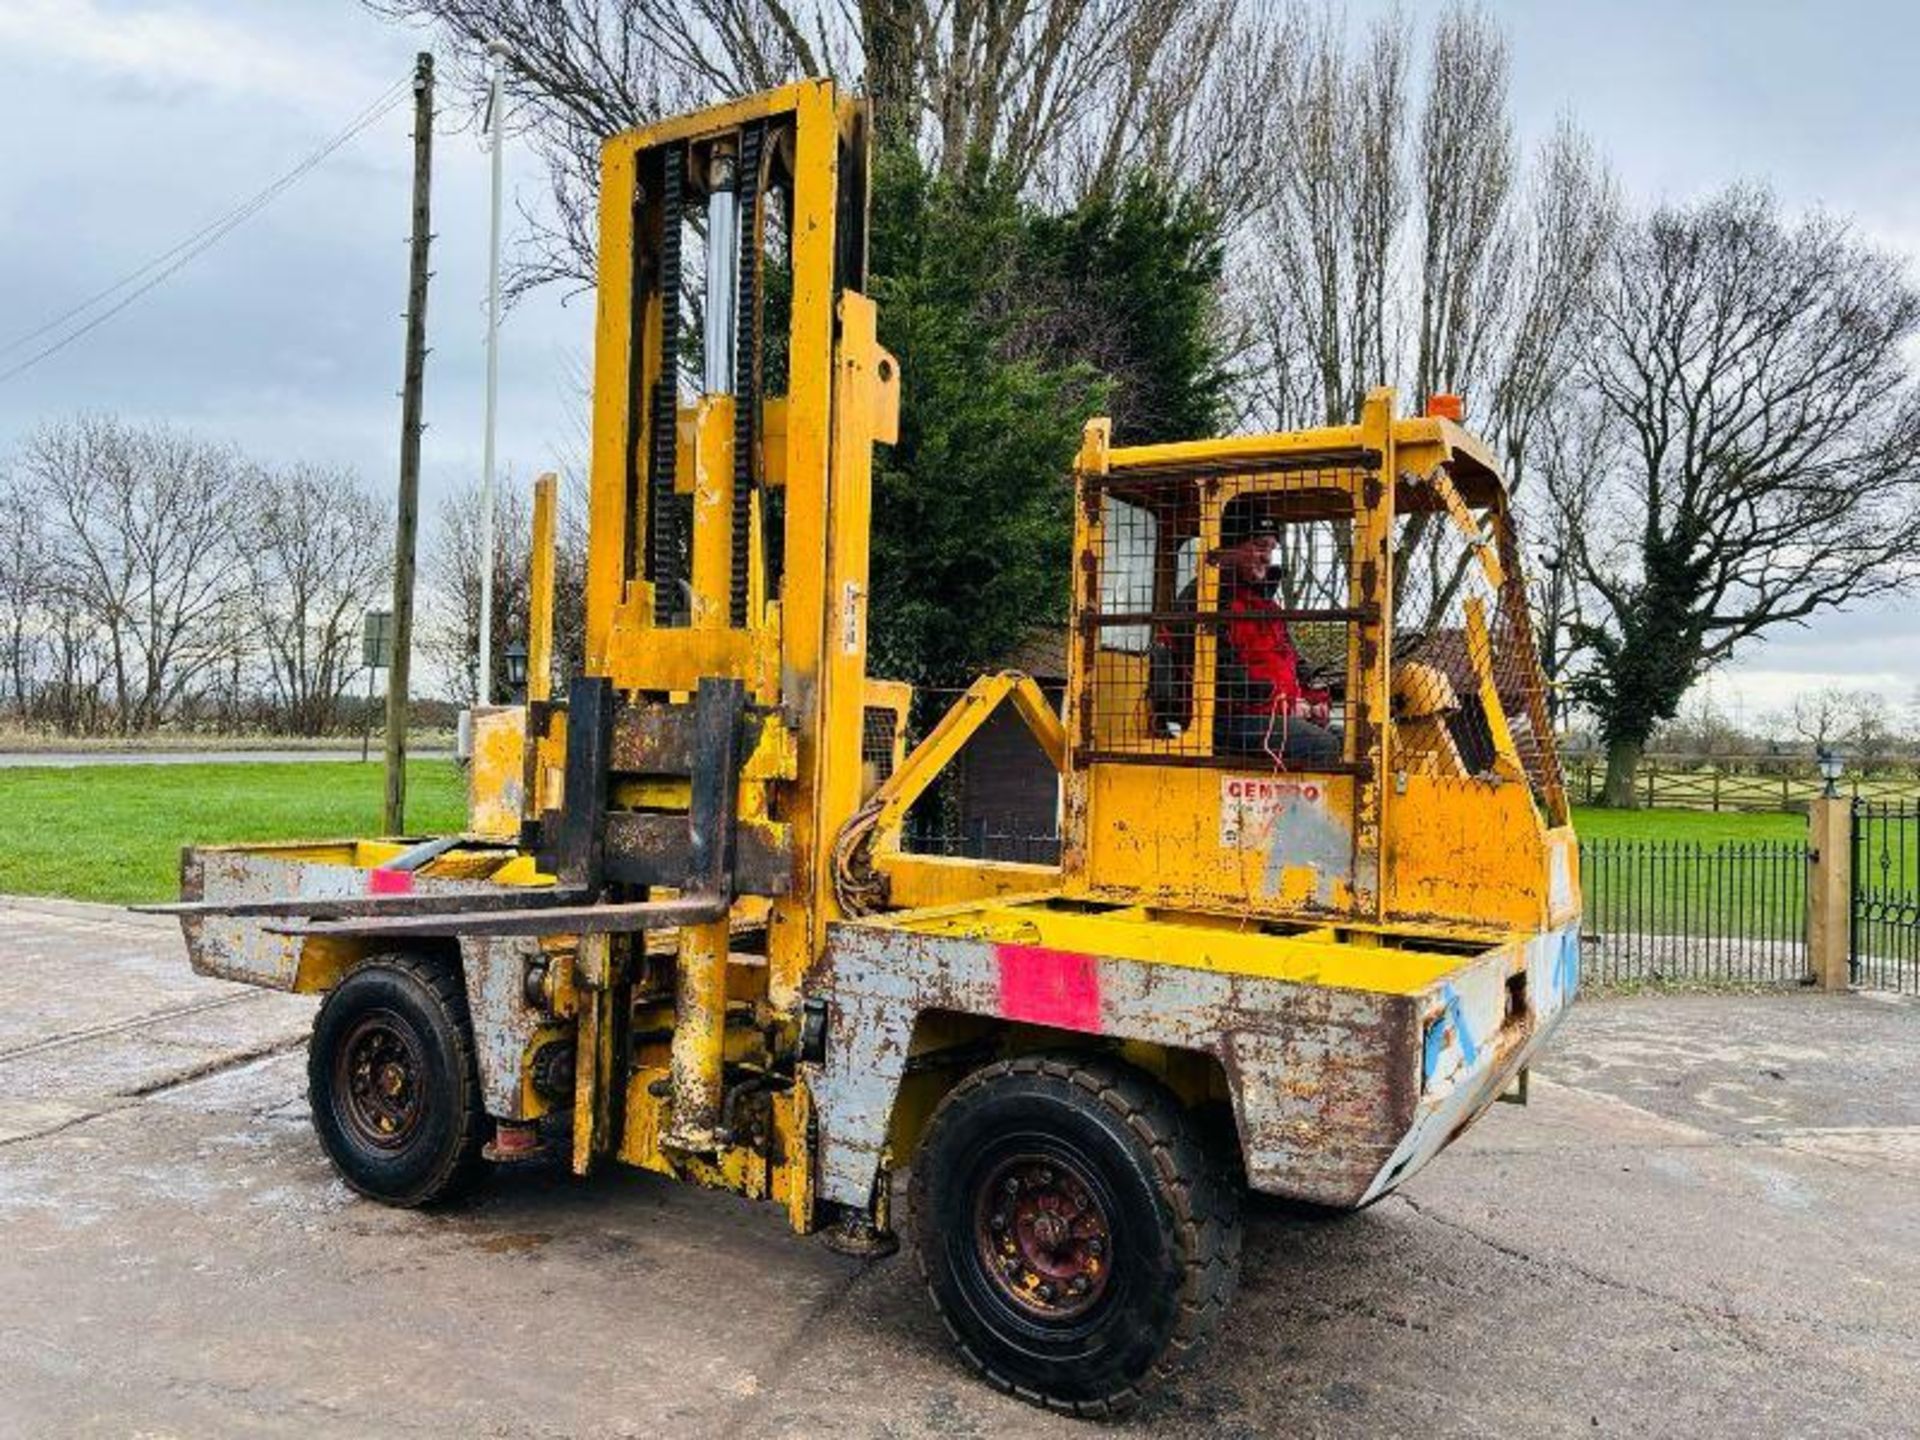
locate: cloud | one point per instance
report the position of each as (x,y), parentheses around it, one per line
(1755,694)
(176,53)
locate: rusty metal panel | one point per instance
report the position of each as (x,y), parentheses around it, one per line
(497,781)
(654,739)
(657,849)
(1338,1093)
(504,1024)
(243,947)
(1474,1043)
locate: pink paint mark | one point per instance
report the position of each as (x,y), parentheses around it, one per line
(1049,987)
(389,882)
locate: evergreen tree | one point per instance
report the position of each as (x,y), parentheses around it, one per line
(1013,326)
(1135,279)
(972,508)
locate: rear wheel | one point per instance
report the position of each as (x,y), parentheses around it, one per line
(1072,1230)
(392,1082)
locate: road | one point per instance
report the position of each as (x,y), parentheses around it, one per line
(79,759)
(1703,1225)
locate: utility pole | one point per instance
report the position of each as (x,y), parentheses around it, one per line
(498,50)
(407,523)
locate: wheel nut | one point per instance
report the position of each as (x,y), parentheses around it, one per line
(1080,1285)
(1096,1247)
(999,1221)
(1046,1291)
(1013,1185)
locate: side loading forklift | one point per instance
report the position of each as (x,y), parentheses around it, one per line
(687,930)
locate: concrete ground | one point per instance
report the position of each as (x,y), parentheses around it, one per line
(1705,1224)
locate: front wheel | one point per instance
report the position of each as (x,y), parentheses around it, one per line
(392,1082)
(1072,1230)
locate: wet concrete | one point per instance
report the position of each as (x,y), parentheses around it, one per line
(1705,1224)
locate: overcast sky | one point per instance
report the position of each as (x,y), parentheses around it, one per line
(129,124)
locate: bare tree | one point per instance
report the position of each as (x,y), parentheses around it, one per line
(449,636)
(24,585)
(1572,448)
(1755,368)
(143,542)
(1702,729)
(1569,213)
(230,695)
(450,629)
(74,697)
(1872,731)
(1417,249)
(1325,250)
(1818,716)
(319,547)
(1064,96)
(1465,179)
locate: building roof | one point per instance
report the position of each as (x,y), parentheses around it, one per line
(1043,655)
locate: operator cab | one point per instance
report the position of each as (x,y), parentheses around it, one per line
(1303,679)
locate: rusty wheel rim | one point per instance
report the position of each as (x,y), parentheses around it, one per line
(379,1077)
(1044,1238)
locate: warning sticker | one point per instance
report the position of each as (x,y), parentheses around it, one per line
(852,612)
(1249,806)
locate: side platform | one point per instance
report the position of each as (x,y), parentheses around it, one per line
(1348,1061)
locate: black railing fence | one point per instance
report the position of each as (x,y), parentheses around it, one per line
(1673,910)
(1885,946)
(984,841)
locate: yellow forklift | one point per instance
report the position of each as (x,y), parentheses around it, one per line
(1296,949)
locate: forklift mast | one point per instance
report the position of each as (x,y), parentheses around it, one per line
(712,746)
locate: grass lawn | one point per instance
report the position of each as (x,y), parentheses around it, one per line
(1699,826)
(1728,887)
(114,832)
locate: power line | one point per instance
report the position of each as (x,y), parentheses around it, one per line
(165,265)
(372,112)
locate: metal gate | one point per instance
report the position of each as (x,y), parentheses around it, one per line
(1665,911)
(1884,951)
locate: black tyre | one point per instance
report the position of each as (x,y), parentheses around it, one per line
(1072,1229)
(392,1082)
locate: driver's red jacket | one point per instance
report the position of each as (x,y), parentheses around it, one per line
(1260,643)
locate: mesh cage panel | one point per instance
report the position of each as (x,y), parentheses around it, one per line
(1221,630)
(1516,659)
(876,743)
(1465,668)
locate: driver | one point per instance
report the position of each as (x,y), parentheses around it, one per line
(1262,706)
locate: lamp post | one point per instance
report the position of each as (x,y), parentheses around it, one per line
(1831,768)
(515,656)
(498,51)
(1830,878)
